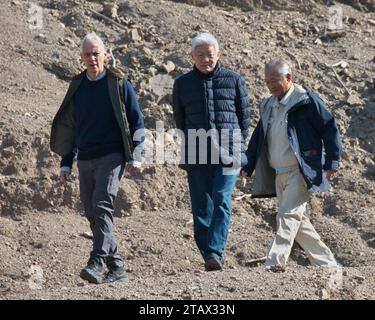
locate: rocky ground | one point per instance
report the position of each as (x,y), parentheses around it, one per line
(44,240)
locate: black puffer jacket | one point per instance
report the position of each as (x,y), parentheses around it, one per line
(216,101)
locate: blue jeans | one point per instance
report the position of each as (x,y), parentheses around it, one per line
(210,193)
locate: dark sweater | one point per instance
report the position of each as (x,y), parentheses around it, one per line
(97,131)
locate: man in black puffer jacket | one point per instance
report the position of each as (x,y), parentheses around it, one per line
(212,111)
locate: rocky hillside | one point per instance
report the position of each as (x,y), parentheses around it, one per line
(40,223)
(249,5)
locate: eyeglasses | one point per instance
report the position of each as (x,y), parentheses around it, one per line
(89,54)
(201,56)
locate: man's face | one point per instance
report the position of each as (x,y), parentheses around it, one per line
(278,84)
(94,57)
(205,58)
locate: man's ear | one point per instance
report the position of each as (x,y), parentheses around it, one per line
(289,77)
(106,57)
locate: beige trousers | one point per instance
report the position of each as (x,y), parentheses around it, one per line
(293,224)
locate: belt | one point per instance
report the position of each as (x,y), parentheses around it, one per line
(286,169)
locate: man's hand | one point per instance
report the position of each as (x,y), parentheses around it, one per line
(330,174)
(133,169)
(64,177)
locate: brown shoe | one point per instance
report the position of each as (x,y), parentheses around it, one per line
(212,264)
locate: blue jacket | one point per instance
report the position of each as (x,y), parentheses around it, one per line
(313,136)
(216,101)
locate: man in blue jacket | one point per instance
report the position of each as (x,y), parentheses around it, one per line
(212,111)
(99,121)
(294,149)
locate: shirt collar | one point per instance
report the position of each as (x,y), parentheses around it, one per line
(104,73)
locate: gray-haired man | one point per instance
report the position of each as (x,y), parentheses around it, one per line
(212,100)
(286,151)
(97,122)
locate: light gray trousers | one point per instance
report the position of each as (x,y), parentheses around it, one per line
(99,181)
(294,225)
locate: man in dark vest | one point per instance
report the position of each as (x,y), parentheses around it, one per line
(211,106)
(101,123)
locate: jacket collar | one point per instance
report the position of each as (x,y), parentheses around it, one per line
(268,103)
(310,96)
(301,99)
(209,75)
(284,100)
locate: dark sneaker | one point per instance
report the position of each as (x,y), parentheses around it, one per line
(92,273)
(118,274)
(212,264)
(276,269)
